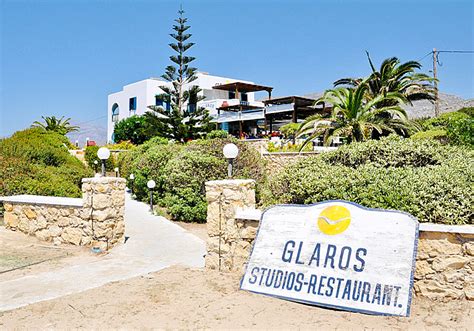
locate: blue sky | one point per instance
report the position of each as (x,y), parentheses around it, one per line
(65,57)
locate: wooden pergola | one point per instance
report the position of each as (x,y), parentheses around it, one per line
(241,87)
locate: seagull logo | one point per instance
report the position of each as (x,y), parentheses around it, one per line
(334,220)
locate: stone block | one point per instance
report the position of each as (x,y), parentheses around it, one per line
(29,213)
(63,221)
(468,248)
(72,236)
(434,290)
(11,220)
(423,268)
(54,230)
(469,291)
(24,225)
(436,243)
(101,201)
(449,263)
(8,207)
(453,276)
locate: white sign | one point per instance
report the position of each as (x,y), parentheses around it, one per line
(336,254)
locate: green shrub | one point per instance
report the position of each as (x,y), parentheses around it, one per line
(461,132)
(424,178)
(289,148)
(443,120)
(289,130)
(35,161)
(133,128)
(468,111)
(217,134)
(435,134)
(180,172)
(91,156)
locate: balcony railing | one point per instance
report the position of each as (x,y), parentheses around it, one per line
(286,107)
(246,115)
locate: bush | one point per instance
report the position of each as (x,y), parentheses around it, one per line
(424,178)
(468,111)
(35,161)
(442,121)
(133,128)
(91,156)
(217,134)
(461,132)
(180,172)
(434,134)
(289,130)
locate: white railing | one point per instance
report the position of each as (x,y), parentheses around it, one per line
(272,109)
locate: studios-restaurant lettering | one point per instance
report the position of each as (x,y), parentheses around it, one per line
(336,254)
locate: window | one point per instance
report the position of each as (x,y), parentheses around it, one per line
(115,112)
(132,104)
(158,101)
(244,97)
(231,95)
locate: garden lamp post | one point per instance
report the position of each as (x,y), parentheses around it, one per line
(95,165)
(132,178)
(103,153)
(151,185)
(116,172)
(230,153)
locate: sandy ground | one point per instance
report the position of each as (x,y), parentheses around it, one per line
(186,298)
(22,255)
(198,229)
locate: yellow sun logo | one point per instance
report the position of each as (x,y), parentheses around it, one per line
(334,220)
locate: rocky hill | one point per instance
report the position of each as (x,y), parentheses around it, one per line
(447,103)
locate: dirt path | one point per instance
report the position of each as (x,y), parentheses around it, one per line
(185,298)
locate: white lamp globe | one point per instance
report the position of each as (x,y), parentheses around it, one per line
(116,169)
(132,176)
(230,151)
(151,184)
(96,162)
(103,153)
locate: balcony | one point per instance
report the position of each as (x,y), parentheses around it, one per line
(235,116)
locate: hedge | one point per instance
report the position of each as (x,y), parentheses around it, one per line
(35,161)
(180,172)
(424,178)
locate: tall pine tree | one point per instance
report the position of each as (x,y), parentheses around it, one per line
(183,120)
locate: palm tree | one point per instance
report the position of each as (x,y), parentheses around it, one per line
(394,77)
(354,117)
(59,125)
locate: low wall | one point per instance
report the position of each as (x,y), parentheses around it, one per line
(278,160)
(445,256)
(96,220)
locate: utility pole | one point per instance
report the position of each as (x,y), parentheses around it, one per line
(435,61)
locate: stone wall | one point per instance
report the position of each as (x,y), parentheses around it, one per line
(445,256)
(445,265)
(230,240)
(96,220)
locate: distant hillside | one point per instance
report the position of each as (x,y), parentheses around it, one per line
(93,131)
(447,103)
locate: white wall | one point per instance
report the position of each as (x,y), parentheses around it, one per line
(145,91)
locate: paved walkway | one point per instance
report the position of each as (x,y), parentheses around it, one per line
(153,243)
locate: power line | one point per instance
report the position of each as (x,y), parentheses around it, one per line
(468,52)
(93,120)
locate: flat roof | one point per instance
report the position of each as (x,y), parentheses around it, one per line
(299,101)
(242,87)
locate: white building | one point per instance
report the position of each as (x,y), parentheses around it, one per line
(135,98)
